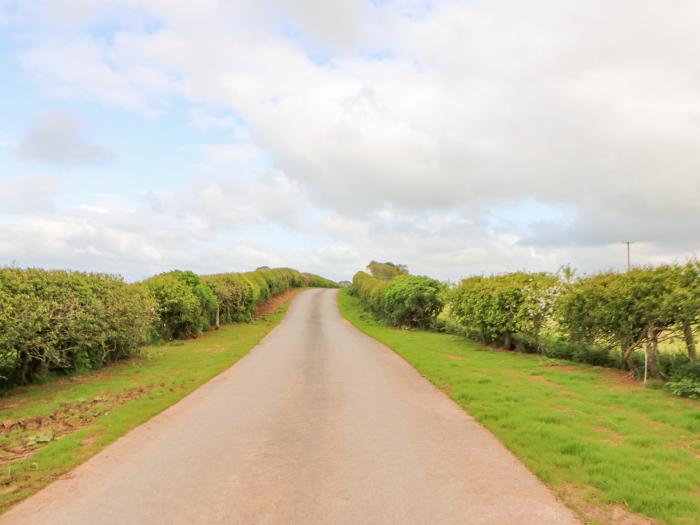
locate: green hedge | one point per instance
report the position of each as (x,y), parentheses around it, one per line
(499,308)
(186,304)
(58,320)
(403,300)
(239,293)
(608,319)
(65,321)
(316,281)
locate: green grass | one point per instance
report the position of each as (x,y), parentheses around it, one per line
(607,446)
(49,429)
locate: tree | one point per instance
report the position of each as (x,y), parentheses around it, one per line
(386,271)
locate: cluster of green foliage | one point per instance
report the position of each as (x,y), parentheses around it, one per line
(401,299)
(316,281)
(186,304)
(66,321)
(495,309)
(685,381)
(59,320)
(386,271)
(634,311)
(608,319)
(189,304)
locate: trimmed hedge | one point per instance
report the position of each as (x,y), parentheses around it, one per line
(239,293)
(499,308)
(59,320)
(607,319)
(404,300)
(316,281)
(66,321)
(186,304)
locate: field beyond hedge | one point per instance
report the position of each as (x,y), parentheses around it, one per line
(48,429)
(614,451)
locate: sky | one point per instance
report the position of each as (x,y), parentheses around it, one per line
(456,137)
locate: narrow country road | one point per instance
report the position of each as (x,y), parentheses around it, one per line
(318,425)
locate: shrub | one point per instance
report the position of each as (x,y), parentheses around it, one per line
(370,290)
(496,309)
(182,313)
(58,320)
(634,310)
(63,321)
(685,387)
(316,281)
(235,295)
(405,300)
(410,300)
(238,294)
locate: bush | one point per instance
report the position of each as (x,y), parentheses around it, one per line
(405,300)
(239,293)
(235,295)
(316,281)
(689,370)
(370,290)
(186,304)
(496,309)
(64,321)
(58,320)
(685,387)
(414,301)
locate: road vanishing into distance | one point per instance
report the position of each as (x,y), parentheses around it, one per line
(319,424)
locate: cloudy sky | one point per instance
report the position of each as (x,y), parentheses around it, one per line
(457,137)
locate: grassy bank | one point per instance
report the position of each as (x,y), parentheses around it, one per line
(47,430)
(611,449)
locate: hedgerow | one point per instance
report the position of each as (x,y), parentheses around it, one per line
(59,320)
(185,304)
(66,321)
(495,309)
(607,319)
(316,281)
(401,299)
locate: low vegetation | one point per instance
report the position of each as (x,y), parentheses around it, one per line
(48,429)
(61,321)
(616,452)
(401,299)
(618,320)
(607,319)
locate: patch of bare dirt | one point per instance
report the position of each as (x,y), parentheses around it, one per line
(24,436)
(273,304)
(620,377)
(608,514)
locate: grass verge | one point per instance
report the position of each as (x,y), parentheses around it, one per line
(614,451)
(48,429)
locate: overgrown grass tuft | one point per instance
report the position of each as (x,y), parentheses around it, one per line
(607,446)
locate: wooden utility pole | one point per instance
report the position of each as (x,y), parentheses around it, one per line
(629,265)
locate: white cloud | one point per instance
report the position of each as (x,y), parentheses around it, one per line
(56,138)
(28,193)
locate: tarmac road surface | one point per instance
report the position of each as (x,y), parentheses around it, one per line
(319,424)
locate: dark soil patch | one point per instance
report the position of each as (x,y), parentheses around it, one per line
(273,304)
(21,438)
